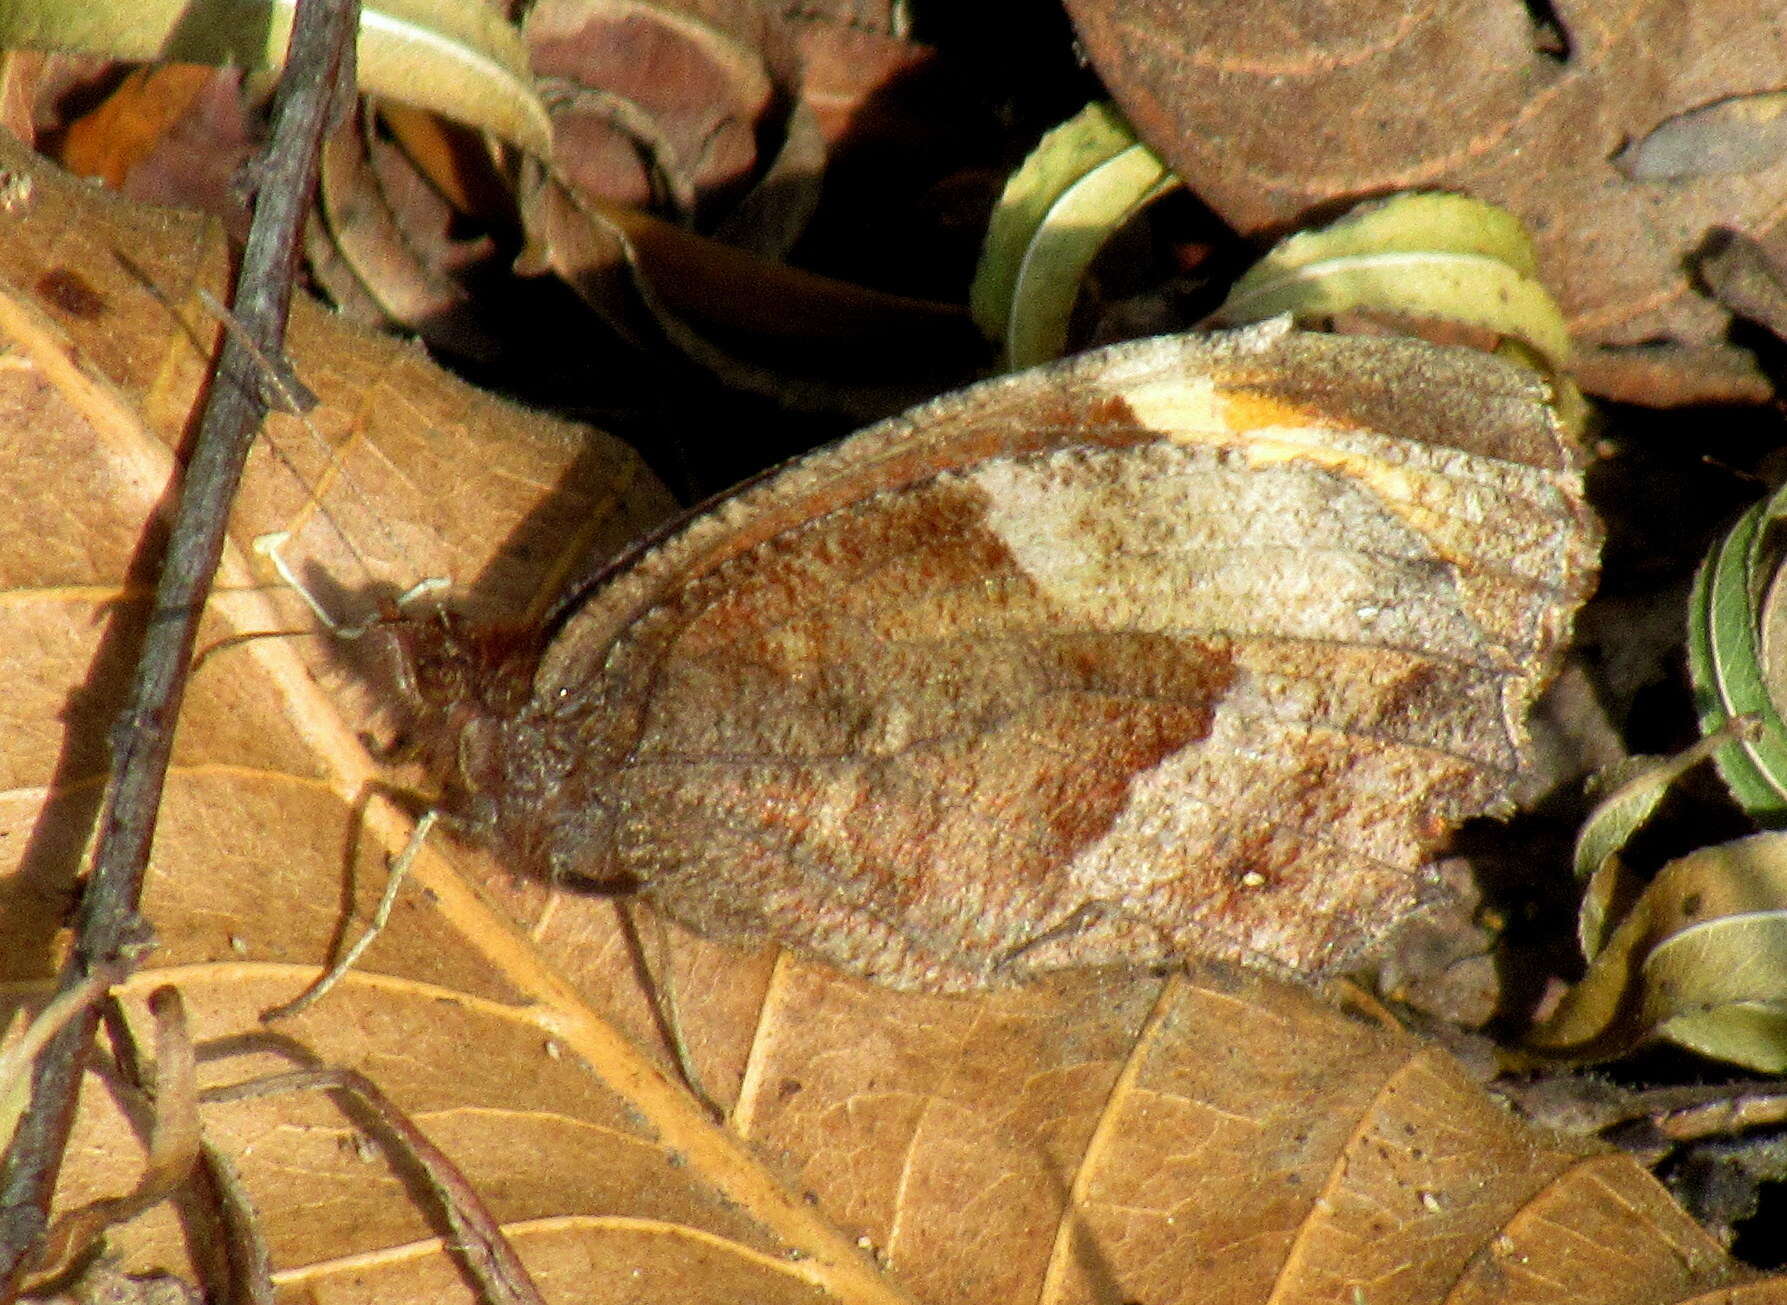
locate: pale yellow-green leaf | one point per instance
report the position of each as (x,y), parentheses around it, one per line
(1627,793)
(1720,988)
(1419,255)
(1610,887)
(1701,960)
(458,58)
(1750,1034)
(1082,182)
(1093,136)
(1631,791)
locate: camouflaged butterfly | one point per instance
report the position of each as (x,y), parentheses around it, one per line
(1193,646)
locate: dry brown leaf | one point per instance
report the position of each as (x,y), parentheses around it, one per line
(146,137)
(809,340)
(1672,376)
(684,106)
(1101,1138)
(1747,279)
(687,161)
(171,133)
(851,77)
(386,249)
(1271,110)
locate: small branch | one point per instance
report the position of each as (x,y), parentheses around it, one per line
(318,69)
(476,1235)
(251,1263)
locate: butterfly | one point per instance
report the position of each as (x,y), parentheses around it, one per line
(1191,646)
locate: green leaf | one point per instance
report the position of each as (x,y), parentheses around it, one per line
(1735,596)
(1633,789)
(1082,182)
(1753,1034)
(1701,960)
(1419,255)
(458,58)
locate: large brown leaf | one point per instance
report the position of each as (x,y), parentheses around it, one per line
(1273,111)
(1104,1137)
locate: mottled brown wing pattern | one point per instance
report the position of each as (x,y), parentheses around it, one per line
(1193,646)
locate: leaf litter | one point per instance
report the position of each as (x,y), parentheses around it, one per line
(818,1074)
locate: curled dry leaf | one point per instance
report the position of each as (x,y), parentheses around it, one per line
(668,106)
(386,248)
(1094,1138)
(694,109)
(851,70)
(1268,111)
(687,162)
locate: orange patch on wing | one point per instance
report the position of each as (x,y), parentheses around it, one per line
(1248,410)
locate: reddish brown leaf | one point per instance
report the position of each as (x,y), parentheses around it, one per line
(169,134)
(387,251)
(655,104)
(1272,111)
